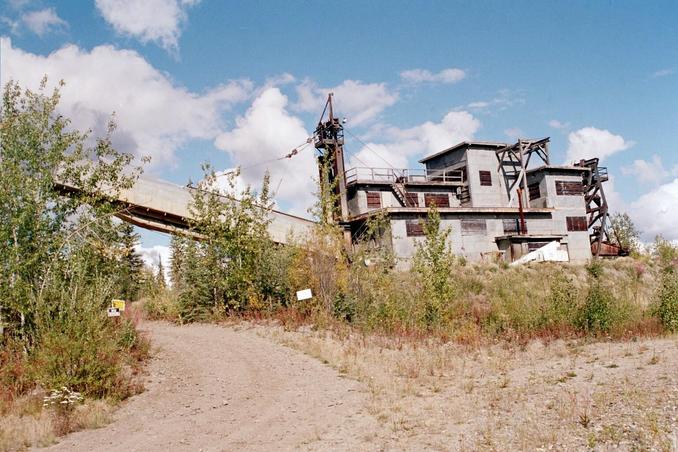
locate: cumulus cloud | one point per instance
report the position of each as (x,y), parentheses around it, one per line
(651,171)
(158,21)
(418,141)
(152,255)
(450,75)
(43,21)
(559,124)
(266,132)
(656,213)
(154,115)
(590,142)
(358,101)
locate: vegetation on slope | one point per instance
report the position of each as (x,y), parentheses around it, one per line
(237,271)
(62,261)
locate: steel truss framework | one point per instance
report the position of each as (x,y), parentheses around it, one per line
(596,203)
(513,163)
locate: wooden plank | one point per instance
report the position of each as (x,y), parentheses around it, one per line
(472,226)
(414,228)
(569,188)
(373,200)
(439,199)
(412,199)
(511,226)
(576,224)
(485,178)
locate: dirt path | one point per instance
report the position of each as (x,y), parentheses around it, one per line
(218,388)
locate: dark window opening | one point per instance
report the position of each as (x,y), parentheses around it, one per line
(567,188)
(511,226)
(575,224)
(485,178)
(531,246)
(534,191)
(373,200)
(439,199)
(414,228)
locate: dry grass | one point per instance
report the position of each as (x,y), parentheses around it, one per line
(27,424)
(564,395)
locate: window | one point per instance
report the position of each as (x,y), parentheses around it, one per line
(472,227)
(485,178)
(412,199)
(568,188)
(373,200)
(577,224)
(439,199)
(414,228)
(511,226)
(534,191)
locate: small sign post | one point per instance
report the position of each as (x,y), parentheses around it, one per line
(120,304)
(304,295)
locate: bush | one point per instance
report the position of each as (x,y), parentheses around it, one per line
(596,314)
(667,300)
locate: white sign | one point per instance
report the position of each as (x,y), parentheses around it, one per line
(113,312)
(304,294)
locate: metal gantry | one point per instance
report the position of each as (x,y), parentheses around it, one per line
(513,163)
(596,204)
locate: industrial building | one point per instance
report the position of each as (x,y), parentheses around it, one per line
(500,200)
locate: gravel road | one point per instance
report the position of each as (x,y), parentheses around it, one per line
(215,388)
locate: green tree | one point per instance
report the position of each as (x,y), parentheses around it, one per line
(160,275)
(62,257)
(433,261)
(43,233)
(624,232)
(226,270)
(130,263)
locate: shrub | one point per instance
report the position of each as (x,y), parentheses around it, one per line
(667,300)
(596,314)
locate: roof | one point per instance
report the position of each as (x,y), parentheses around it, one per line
(466,144)
(556,168)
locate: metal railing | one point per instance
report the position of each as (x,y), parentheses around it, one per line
(394,175)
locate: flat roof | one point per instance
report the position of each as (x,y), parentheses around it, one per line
(567,168)
(466,144)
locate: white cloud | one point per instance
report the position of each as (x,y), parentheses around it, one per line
(514,133)
(652,171)
(558,124)
(358,101)
(663,73)
(12,25)
(43,21)
(656,213)
(504,99)
(590,142)
(151,256)
(158,21)
(265,133)
(450,75)
(155,117)
(418,141)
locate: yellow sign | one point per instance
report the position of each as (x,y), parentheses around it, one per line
(120,304)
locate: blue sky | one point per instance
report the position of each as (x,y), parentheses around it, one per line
(238,83)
